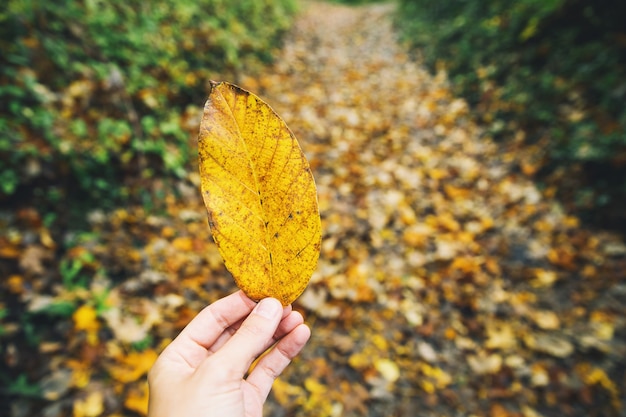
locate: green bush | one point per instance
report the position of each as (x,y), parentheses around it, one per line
(554,67)
(95,96)
(357,2)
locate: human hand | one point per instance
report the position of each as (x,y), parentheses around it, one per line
(203,371)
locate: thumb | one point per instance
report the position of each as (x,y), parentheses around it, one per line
(252,338)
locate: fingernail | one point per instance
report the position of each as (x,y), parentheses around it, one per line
(268,308)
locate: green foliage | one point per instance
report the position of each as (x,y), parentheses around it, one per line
(356,2)
(21,387)
(556,68)
(70,271)
(62,309)
(96,96)
(143,344)
(3,314)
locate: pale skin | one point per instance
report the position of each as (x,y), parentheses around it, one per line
(204,371)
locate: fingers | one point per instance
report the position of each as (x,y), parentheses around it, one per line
(235,328)
(228,333)
(287,324)
(276,360)
(207,327)
(211,322)
(252,338)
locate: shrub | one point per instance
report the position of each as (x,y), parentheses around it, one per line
(554,68)
(95,95)
(557,64)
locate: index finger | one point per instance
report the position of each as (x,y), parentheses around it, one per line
(228,333)
(211,322)
(193,342)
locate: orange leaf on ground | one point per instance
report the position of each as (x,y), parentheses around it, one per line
(133,366)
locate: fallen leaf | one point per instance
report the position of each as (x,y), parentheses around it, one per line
(593,376)
(9,251)
(15,284)
(539,375)
(544,278)
(127,328)
(86,318)
(81,373)
(548,343)
(388,369)
(360,360)
(33,258)
(529,412)
(602,325)
(91,406)
(54,386)
(501,336)
(484,364)
(260,195)
(137,399)
(46,239)
(427,352)
(433,378)
(547,320)
(133,366)
(183,244)
(498,410)
(286,394)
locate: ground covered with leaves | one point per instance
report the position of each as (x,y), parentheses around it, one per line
(449,284)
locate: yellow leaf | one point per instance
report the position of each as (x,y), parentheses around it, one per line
(137,399)
(433,378)
(86,318)
(285,394)
(15,284)
(46,239)
(466,264)
(484,364)
(500,336)
(314,387)
(359,360)
(133,366)
(547,320)
(593,376)
(91,406)
(388,369)
(544,278)
(8,251)
(183,244)
(81,373)
(260,195)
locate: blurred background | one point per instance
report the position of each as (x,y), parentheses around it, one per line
(471,167)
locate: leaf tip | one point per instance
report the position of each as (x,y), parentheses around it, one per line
(213,85)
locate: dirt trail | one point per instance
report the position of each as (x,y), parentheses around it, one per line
(449,283)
